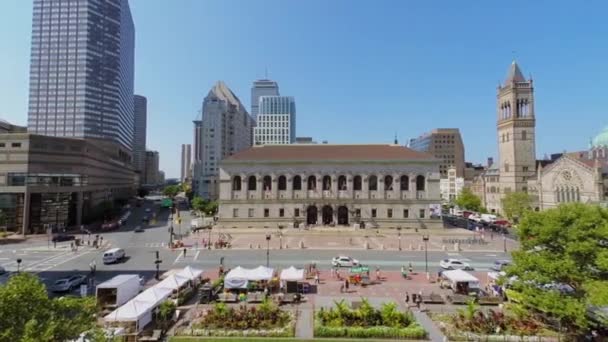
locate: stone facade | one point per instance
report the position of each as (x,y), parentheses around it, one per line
(352,191)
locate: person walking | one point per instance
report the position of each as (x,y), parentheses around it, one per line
(407,299)
(317,278)
(184,252)
(377,273)
(418,301)
(411,268)
(346,284)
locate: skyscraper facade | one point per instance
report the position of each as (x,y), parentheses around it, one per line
(261,88)
(445,144)
(139,136)
(226,129)
(151,173)
(276,123)
(186,162)
(198,151)
(81,70)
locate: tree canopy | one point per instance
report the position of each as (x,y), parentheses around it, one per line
(563,248)
(202,205)
(468,200)
(515,204)
(171,190)
(28,314)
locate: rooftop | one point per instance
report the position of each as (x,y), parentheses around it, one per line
(328,152)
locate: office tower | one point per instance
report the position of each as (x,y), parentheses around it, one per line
(81,70)
(186,162)
(445,144)
(151,168)
(261,88)
(139,136)
(198,151)
(225,130)
(276,123)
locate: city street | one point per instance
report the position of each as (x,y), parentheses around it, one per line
(52,263)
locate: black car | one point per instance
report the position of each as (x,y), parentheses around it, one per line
(63,237)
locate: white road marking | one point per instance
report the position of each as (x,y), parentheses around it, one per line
(492,255)
(196,255)
(179,256)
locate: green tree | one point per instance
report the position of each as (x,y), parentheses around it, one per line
(211,208)
(468,200)
(171,191)
(165,313)
(559,247)
(27,313)
(198,203)
(516,204)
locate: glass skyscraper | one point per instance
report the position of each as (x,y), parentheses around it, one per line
(276,121)
(262,88)
(81,71)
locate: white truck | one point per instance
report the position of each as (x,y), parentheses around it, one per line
(201,223)
(118,290)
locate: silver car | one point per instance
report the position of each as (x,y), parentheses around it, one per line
(67,284)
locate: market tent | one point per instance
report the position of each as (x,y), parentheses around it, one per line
(459,276)
(236,278)
(172,282)
(237,273)
(154,295)
(190,273)
(260,273)
(292,274)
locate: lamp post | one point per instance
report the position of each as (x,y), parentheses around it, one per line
(209,241)
(18,265)
(280,237)
(504,240)
(425,238)
(157,262)
(170,230)
(399,233)
(267,250)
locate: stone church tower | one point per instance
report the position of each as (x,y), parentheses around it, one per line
(516,131)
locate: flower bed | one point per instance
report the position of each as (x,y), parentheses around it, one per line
(266,320)
(367,322)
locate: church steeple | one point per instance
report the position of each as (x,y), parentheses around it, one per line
(514,74)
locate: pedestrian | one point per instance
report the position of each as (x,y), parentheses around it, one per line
(407,298)
(317,278)
(54,243)
(221,270)
(414,296)
(184,252)
(411,268)
(346,284)
(378,273)
(418,301)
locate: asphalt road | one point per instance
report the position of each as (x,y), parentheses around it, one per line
(54,263)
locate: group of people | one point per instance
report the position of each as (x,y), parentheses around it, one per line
(416,299)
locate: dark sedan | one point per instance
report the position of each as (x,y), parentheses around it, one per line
(63,237)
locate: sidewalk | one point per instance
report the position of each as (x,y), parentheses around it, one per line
(434,333)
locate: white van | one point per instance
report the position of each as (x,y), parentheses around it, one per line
(113,255)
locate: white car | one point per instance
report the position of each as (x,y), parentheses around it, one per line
(344,261)
(67,284)
(148,210)
(454,264)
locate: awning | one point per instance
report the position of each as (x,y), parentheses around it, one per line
(459,276)
(292,274)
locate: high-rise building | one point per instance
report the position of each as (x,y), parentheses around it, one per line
(263,87)
(186,162)
(446,145)
(516,131)
(198,130)
(81,70)
(276,122)
(226,129)
(151,168)
(139,136)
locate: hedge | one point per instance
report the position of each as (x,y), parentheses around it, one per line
(413,331)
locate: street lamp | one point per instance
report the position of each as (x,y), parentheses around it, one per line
(425,238)
(267,250)
(280,237)
(399,233)
(504,240)
(18,265)
(157,262)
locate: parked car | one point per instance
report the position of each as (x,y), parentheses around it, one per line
(454,264)
(67,284)
(344,261)
(63,237)
(138,229)
(499,265)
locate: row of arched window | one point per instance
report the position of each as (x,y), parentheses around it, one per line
(565,194)
(311,183)
(522,109)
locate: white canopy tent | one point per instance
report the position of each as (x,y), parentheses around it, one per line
(261,273)
(495,275)
(172,282)
(239,277)
(292,274)
(190,273)
(460,276)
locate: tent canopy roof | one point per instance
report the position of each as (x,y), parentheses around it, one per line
(459,276)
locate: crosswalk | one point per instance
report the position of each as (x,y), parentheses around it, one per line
(38,261)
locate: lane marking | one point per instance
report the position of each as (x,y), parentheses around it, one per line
(179,256)
(196,255)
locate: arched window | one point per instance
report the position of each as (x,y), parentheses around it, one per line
(252,183)
(312,183)
(236,183)
(342,183)
(388,183)
(267,186)
(297,183)
(404,183)
(357,186)
(282,183)
(420,183)
(326,183)
(373,183)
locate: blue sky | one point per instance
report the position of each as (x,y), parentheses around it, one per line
(360,71)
